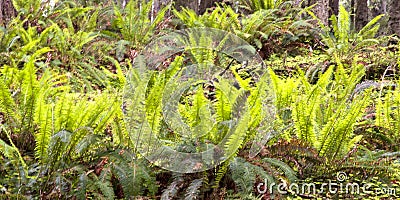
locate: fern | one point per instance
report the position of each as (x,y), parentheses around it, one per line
(131,173)
(387,114)
(193,191)
(225,95)
(256,5)
(286,169)
(104,184)
(63,129)
(222,17)
(12,153)
(171,191)
(221,172)
(345,42)
(44,118)
(7,104)
(284,91)
(304,113)
(25,7)
(236,139)
(200,116)
(134,22)
(260,101)
(343,27)
(323,115)
(245,175)
(119,129)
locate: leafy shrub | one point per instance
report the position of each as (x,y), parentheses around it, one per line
(344,42)
(222,17)
(276,30)
(135,24)
(62,128)
(326,115)
(256,5)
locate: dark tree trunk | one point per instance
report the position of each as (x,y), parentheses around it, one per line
(334,7)
(7,12)
(378,8)
(199,6)
(394,17)
(361,17)
(352,14)
(157,5)
(187,4)
(204,4)
(384,6)
(321,10)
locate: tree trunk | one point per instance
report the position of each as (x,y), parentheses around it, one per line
(352,14)
(187,4)
(7,12)
(361,18)
(157,5)
(204,4)
(199,6)
(321,10)
(394,17)
(384,6)
(334,7)
(378,8)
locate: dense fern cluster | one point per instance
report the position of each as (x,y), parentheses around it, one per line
(81,115)
(278,29)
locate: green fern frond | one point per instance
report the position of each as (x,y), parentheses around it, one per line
(200,114)
(286,169)
(336,137)
(304,117)
(343,26)
(260,101)
(12,153)
(64,112)
(7,104)
(134,22)
(120,131)
(284,90)
(154,102)
(388,114)
(221,172)
(134,176)
(223,106)
(56,151)
(225,95)
(245,175)
(237,137)
(256,5)
(104,185)
(44,118)
(349,80)
(193,191)
(306,109)
(172,190)
(222,17)
(371,28)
